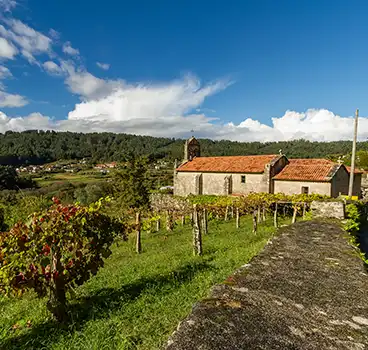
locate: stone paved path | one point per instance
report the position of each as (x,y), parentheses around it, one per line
(306,290)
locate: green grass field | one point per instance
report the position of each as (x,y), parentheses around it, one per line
(68,177)
(135,301)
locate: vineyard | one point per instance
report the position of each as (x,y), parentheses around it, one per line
(68,255)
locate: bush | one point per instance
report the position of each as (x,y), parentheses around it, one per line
(56,250)
(354,218)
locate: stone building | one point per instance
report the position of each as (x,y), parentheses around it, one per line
(320,176)
(259,173)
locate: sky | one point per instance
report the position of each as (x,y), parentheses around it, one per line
(243,70)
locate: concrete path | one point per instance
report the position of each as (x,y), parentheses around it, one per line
(306,290)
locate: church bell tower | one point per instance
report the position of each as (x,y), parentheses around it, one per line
(191,149)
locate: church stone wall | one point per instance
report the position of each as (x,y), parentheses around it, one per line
(216,183)
(295,187)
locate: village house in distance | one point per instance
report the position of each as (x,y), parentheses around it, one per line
(236,175)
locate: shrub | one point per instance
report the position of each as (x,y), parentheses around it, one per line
(354,218)
(58,248)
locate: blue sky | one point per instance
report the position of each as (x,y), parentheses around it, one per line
(241,70)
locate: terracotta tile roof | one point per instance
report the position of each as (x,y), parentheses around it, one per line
(231,164)
(308,170)
(356,171)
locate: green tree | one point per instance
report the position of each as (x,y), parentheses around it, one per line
(132,184)
(56,250)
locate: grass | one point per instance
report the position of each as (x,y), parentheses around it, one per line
(67,177)
(135,301)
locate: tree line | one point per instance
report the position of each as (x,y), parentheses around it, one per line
(39,147)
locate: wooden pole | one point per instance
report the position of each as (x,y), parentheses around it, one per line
(294,214)
(169,225)
(352,168)
(232,212)
(237,218)
(182,220)
(264,214)
(197,234)
(158,224)
(275,216)
(255,221)
(259,214)
(304,209)
(205,221)
(138,244)
(227,213)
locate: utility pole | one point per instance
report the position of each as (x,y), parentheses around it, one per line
(352,168)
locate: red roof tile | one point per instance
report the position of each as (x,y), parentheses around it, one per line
(231,164)
(356,171)
(308,170)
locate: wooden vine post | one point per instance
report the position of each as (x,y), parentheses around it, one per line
(255,221)
(158,224)
(169,222)
(227,213)
(182,220)
(197,234)
(263,214)
(294,214)
(205,221)
(138,244)
(237,219)
(275,216)
(304,209)
(259,214)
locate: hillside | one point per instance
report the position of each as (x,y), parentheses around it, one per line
(37,147)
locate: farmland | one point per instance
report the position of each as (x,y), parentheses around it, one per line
(136,301)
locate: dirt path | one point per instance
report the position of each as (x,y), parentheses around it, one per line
(306,290)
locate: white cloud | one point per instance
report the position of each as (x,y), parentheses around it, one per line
(28,38)
(11,100)
(68,49)
(54,34)
(7,50)
(7,5)
(104,66)
(83,83)
(29,41)
(32,121)
(52,68)
(314,125)
(124,103)
(4,72)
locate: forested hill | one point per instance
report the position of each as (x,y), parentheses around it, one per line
(36,147)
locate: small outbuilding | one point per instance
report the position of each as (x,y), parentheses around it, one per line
(320,176)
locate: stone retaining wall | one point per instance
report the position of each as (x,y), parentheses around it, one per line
(335,210)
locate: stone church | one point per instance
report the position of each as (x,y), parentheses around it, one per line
(236,175)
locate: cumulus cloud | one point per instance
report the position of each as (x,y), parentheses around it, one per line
(86,85)
(54,34)
(68,49)
(52,68)
(104,66)
(4,72)
(29,41)
(12,100)
(7,50)
(314,124)
(124,102)
(7,5)
(32,121)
